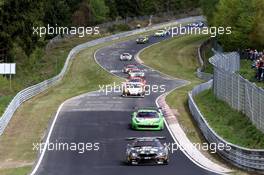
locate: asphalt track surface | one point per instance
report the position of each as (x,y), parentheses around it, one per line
(103,118)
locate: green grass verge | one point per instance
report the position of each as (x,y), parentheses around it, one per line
(178,57)
(230,124)
(247,72)
(16,171)
(174,57)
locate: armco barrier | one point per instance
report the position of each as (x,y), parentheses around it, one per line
(32,91)
(249,159)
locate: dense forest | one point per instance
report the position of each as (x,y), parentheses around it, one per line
(244,16)
(17,17)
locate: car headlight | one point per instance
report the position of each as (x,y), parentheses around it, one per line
(157,121)
(161,154)
(133,155)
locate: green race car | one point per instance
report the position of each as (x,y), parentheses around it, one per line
(142,40)
(147,119)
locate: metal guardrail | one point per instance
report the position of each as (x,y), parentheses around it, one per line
(34,90)
(249,159)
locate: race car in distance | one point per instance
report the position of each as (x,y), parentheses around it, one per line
(142,40)
(146,150)
(147,119)
(196,24)
(161,33)
(129,67)
(137,80)
(133,89)
(125,57)
(136,73)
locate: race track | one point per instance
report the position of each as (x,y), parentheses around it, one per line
(99,118)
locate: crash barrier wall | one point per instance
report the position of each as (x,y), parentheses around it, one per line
(199,72)
(32,91)
(250,159)
(238,92)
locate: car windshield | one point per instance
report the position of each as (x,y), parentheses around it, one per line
(135,80)
(136,70)
(147,115)
(133,85)
(131,66)
(150,143)
(126,54)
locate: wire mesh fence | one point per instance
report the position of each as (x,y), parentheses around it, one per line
(238,92)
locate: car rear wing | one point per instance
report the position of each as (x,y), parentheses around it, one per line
(150,108)
(154,137)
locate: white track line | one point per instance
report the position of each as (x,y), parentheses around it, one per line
(47,140)
(178,144)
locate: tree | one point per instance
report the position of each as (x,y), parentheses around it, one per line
(82,16)
(56,12)
(17,19)
(257,35)
(99,11)
(209,7)
(239,15)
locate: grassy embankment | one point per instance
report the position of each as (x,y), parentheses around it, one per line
(232,125)
(178,57)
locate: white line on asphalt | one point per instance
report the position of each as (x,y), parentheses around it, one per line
(47,140)
(178,144)
(116,71)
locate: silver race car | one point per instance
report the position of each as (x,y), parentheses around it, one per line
(146,150)
(126,57)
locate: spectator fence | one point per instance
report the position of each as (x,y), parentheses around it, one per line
(237,91)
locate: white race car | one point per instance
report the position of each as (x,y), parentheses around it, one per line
(125,57)
(196,24)
(161,33)
(133,89)
(136,73)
